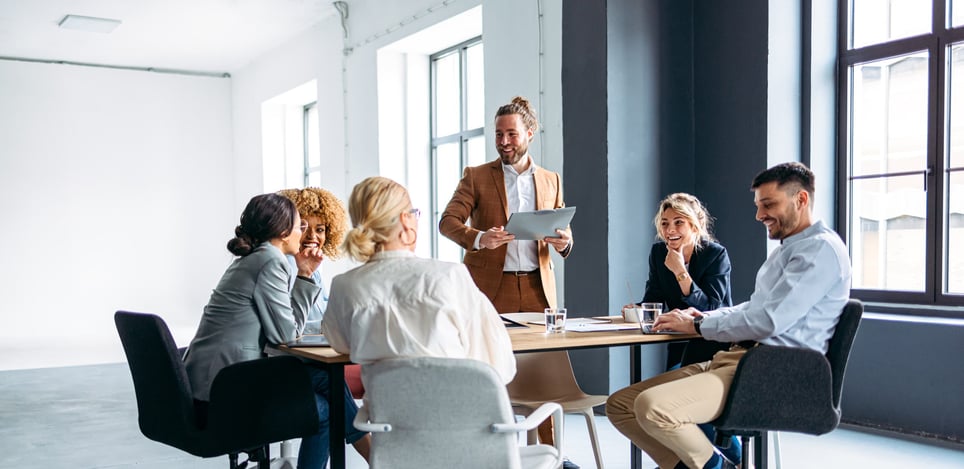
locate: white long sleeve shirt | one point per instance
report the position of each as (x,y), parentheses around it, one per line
(799,294)
(397,305)
(520,193)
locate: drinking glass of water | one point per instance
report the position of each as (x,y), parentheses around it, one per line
(649,312)
(555,320)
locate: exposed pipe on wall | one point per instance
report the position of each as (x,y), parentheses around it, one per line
(121,67)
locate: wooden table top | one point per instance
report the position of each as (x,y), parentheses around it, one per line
(532,338)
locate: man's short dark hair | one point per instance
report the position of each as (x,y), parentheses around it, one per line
(786,173)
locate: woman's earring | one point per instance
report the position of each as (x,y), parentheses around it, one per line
(414,236)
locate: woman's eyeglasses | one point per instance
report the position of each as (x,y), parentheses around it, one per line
(415,212)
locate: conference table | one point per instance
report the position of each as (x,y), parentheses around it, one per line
(531,338)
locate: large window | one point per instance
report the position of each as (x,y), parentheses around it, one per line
(458,125)
(312,146)
(902,148)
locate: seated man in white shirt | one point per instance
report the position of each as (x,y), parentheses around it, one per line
(799,294)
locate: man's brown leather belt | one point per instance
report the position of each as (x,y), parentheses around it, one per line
(520,273)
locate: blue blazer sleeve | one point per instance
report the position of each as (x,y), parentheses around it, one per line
(709,268)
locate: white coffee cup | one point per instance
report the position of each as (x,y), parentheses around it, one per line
(632,313)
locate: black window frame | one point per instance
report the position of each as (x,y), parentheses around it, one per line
(462,136)
(936,175)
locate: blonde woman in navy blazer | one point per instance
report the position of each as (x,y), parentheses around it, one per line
(688,268)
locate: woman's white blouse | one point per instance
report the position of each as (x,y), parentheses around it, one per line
(397,305)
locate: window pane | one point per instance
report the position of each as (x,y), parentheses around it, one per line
(955,132)
(448,171)
(312,147)
(877,21)
(475,87)
(954,263)
(887,233)
(476,146)
(954,195)
(447,103)
(314,179)
(956,13)
(889,126)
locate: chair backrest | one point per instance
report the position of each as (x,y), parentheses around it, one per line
(441,411)
(165,405)
(546,377)
(841,343)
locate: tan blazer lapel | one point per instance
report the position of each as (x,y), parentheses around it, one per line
(498,180)
(546,189)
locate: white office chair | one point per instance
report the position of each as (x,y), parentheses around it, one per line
(448,413)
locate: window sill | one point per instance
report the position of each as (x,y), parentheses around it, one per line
(921,311)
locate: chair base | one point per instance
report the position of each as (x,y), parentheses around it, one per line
(760,448)
(261,458)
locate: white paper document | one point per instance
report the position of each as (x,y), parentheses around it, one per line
(601,326)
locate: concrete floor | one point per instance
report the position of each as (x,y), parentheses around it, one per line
(86,417)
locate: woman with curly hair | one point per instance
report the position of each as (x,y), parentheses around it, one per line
(327,223)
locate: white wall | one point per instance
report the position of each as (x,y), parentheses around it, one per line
(116,189)
(348,86)
(124,186)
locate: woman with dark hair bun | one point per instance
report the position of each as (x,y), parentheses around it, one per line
(255,305)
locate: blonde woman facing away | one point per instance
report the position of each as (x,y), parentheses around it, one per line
(396,305)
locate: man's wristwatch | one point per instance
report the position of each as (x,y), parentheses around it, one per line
(696,324)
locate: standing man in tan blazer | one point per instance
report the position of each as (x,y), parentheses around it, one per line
(516,275)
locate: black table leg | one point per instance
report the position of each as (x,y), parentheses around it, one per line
(336,410)
(635,376)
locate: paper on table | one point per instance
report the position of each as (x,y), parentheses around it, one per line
(601,327)
(571,321)
(526,317)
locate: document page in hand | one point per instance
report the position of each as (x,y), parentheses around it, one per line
(539,224)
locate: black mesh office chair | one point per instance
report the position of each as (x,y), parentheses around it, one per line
(253,403)
(788,389)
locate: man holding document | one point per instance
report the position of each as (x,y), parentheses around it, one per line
(516,275)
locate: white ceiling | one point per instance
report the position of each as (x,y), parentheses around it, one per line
(194,35)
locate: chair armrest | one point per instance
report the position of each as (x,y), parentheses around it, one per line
(780,388)
(263,400)
(361,422)
(531,421)
(534,419)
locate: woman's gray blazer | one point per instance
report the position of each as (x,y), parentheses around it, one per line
(253,304)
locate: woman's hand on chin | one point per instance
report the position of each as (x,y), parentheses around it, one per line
(308,261)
